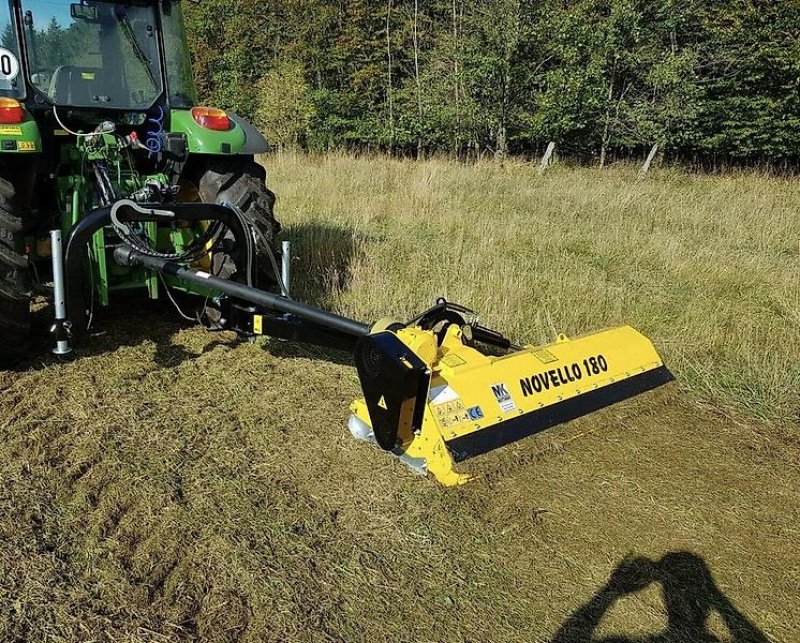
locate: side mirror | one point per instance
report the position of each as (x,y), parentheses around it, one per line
(80,11)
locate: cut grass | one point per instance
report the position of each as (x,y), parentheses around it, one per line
(174,484)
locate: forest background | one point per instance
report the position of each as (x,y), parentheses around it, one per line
(708,81)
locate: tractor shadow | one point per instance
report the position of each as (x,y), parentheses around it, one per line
(323,260)
(128,322)
(323,257)
(690,594)
(285,349)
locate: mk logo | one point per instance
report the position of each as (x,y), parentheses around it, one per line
(500,391)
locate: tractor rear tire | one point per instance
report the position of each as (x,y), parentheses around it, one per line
(15,297)
(240,181)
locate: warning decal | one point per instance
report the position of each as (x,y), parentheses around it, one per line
(451,414)
(544,356)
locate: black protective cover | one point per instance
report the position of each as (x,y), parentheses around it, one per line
(395,382)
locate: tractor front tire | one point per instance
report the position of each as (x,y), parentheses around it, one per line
(241,182)
(15,298)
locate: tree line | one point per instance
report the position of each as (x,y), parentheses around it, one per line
(706,79)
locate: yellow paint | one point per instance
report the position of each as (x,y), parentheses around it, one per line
(258,324)
(534,378)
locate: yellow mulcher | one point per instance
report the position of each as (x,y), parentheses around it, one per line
(440,388)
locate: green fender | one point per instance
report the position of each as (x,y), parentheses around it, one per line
(242,138)
(23,138)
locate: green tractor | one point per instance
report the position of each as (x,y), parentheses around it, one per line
(98,109)
(112,179)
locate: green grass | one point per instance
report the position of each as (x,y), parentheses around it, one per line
(174,484)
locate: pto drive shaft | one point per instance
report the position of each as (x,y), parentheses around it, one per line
(127,256)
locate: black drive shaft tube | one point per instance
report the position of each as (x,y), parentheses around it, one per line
(126,256)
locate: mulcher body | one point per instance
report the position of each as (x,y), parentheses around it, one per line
(454,400)
(101,140)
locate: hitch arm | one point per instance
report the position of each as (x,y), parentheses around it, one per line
(81,234)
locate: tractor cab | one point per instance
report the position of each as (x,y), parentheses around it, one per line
(94,55)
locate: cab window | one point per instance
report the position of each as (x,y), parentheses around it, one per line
(99,54)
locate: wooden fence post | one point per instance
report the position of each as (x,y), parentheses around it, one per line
(547,158)
(646,167)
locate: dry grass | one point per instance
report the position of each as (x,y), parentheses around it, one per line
(708,266)
(173,484)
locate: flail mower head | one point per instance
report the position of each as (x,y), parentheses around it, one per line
(434,395)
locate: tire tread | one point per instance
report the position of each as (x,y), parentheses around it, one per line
(14,292)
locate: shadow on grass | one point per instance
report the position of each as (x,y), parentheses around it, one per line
(298,350)
(130,320)
(323,257)
(690,596)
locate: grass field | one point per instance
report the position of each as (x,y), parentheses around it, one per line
(174,484)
